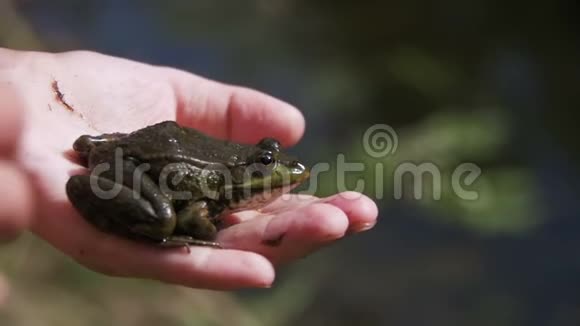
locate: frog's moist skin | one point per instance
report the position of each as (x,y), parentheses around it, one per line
(170,184)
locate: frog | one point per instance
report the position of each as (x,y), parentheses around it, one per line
(172,185)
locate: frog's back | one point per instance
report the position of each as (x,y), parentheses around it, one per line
(167,140)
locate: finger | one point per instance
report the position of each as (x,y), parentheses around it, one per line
(361,211)
(201,268)
(10,121)
(218,269)
(291,234)
(16,208)
(231,112)
(289,202)
(284,203)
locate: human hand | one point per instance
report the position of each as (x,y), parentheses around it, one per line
(68,94)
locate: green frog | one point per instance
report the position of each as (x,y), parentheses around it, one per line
(170,184)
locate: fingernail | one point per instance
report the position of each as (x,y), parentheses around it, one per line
(266,285)
(361,227)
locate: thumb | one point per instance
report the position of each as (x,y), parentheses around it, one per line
(16,206)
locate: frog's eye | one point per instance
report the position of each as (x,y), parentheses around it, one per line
(266,158)
(270,144)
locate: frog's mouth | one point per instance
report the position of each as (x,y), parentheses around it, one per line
(262,190)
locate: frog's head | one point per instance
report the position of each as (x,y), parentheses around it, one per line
(265,174)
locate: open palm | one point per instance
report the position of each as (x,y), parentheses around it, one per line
(69,94)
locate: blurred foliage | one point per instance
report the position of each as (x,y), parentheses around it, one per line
(445,141)
(487,82)
(60,292)
(15,32)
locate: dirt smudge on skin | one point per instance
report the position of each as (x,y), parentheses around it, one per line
(60,96)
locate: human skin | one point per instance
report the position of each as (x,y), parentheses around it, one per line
(49,99)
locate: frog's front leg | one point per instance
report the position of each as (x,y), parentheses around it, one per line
(133,207)
(194,226)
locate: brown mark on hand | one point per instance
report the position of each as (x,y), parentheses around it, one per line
(60,96)
(274,242)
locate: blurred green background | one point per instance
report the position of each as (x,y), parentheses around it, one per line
(493,83)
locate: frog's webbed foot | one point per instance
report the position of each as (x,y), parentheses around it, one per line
(194,221)
(194,227)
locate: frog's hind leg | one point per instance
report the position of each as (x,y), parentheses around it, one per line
(119,208)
